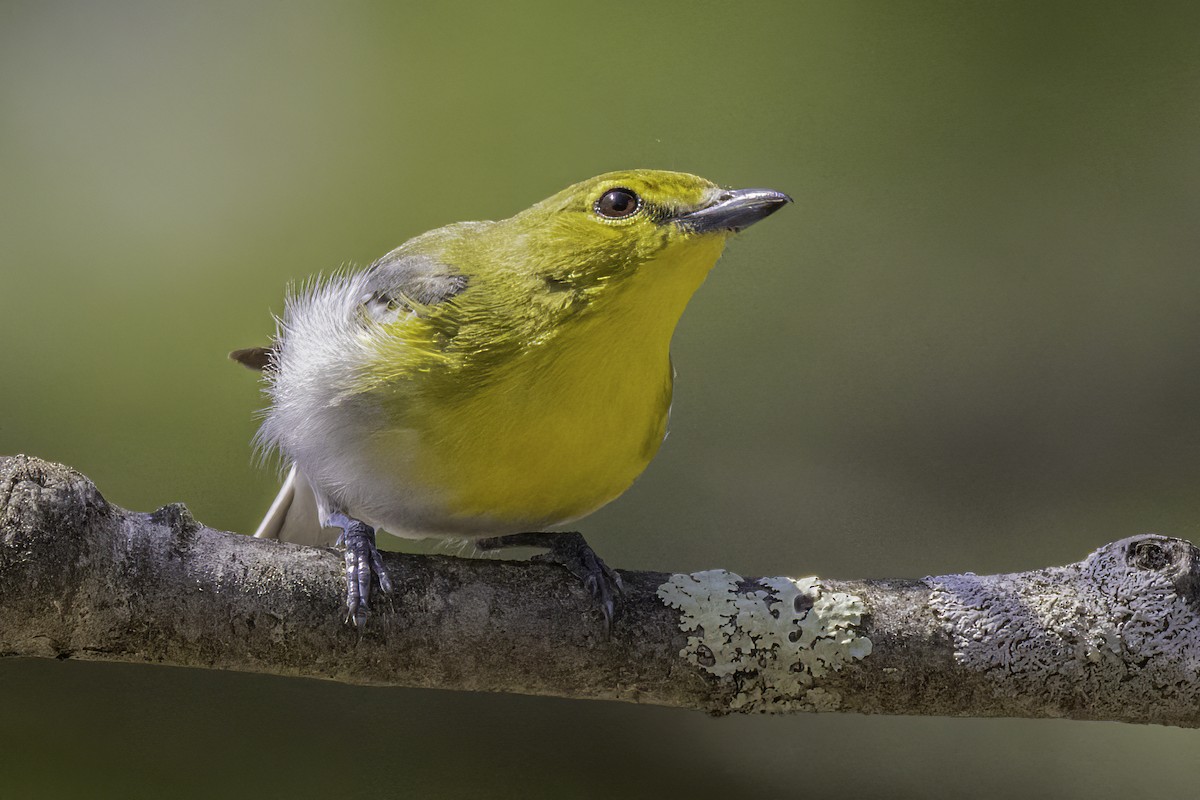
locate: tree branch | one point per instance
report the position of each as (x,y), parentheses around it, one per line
(1113,637)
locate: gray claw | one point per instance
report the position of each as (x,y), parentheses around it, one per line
(385,580)
(362,562)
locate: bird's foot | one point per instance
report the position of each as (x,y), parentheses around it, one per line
(572,551)
(362,563)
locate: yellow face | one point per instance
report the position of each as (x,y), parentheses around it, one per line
(607,226)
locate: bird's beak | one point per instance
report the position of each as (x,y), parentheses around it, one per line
(734,210)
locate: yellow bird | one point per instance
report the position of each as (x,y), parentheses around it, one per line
(489,378)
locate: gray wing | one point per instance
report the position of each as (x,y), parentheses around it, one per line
(409,281)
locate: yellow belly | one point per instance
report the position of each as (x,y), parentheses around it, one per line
(553,438)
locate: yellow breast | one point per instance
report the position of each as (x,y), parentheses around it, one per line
(566,425)
(556,437)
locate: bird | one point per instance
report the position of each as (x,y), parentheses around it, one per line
(487,381)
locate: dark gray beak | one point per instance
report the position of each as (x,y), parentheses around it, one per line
(734,210)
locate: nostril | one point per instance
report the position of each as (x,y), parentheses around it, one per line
(723,196)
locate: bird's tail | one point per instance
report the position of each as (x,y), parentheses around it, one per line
(294,517)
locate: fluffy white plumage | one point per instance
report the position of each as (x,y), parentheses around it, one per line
(320,424)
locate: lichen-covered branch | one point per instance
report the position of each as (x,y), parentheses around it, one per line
(1114,637)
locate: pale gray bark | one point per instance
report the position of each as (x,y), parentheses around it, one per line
(1114,637)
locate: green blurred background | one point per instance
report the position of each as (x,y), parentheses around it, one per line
(971,344)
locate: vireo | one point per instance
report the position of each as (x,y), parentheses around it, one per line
(488,378)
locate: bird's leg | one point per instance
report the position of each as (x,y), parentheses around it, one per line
(572,551)
(362,561)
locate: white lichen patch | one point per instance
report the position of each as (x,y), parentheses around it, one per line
(774,639)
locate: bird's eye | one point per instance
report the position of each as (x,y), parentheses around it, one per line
(618,204)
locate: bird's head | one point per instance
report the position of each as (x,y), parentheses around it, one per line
(608,228)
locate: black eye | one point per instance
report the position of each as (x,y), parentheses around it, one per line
(618,204)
